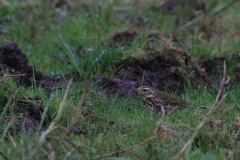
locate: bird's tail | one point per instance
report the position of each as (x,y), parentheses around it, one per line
(204,107)
(193,105)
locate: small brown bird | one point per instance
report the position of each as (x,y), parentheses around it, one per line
(155,99)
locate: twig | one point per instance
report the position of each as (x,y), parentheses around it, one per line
(207,117)
(49,130)
(173,110)
(125,150)
(222,105)
(224,8)
(189,60)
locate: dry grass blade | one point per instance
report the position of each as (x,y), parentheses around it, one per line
(200,126)
(125,150)
(160,121)
(49,130)
(78,111)
(60,110)
(173,110)
(222,104)
(214,107)
(66,130)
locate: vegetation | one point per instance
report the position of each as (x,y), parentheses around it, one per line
(49,33)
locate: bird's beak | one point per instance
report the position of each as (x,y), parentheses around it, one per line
(136,90)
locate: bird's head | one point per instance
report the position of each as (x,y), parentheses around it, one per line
(145,91)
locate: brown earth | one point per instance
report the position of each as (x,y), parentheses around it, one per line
(13,59)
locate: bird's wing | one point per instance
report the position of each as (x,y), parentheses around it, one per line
(171,100)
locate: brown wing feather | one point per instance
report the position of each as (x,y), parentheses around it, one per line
(168,99)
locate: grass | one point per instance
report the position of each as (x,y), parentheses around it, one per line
(42,30)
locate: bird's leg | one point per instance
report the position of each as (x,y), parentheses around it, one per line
(162,111)
(150,107)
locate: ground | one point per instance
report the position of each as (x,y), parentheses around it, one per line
(69,70)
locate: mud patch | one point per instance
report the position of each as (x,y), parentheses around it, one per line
(172,4)
(78,131)
(169,71)
(13,59)
(33,108)
(157,72)
(124,88)
(214,65)
(17,126)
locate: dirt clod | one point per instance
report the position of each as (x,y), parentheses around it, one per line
(34,109)
(157,71)
(171,4)
(123,38)
(14,59)
(124,88)
(111,122)
(78,131)
(17,124)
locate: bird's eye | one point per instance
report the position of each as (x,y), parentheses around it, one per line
(144,90)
